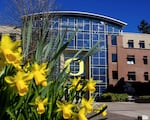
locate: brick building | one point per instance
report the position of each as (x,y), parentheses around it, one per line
(129,60)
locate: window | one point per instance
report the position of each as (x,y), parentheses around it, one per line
(145,60)
(110,29)
(131,76)
(95,27)
(102,71)
(115,74)
(141,44)
(86,27)
(146,76)
(80,36)
(130,59)
(13,36)
(74,66)
(102,61)
(130,44)
(114,40)
(95,37)
(114,57)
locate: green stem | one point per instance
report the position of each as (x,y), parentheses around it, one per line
(98,113)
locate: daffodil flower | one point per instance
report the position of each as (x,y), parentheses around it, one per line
(40,104)
(10,50)
(79,87)
(82,114)
(104,113)
(74,82)
(101,110)
(26,67)
(90,86)
(40,73)
(20,82)
(87,104)
(66,109)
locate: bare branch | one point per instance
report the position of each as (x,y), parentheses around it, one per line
(17,8)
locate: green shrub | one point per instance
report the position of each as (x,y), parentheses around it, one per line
(114,97)
(145,97)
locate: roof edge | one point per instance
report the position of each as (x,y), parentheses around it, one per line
(87,14)
(92,15)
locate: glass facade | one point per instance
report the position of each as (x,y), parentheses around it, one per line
(90,30)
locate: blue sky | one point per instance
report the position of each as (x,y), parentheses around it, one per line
(129,11)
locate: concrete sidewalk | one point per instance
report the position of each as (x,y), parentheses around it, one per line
(126,110)
(113,116)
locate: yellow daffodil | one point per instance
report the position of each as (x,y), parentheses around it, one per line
(79,87)
(66,109)
(40,104)
(101,110)
(74,83)
(90,86)
(11,50)
(104,113)
(82,114)
(20,81)
(40,73)
(87,104)
(26,67)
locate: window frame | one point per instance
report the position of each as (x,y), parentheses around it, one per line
(141,44)
(146,76)
(145,60)
(115,75)
(130,59)
(114,40)
(130,43)
(132,76)
(114,57)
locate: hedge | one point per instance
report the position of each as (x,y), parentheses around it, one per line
(114,97)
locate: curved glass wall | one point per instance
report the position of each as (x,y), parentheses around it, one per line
(89,32)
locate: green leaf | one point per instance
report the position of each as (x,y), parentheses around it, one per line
(12,116)
(62,48)
(26,37)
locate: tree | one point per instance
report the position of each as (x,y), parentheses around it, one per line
(15,9)
(144,27)
(17,14)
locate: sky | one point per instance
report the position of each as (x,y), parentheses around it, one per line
(128,11)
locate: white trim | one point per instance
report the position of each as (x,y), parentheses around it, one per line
(86,14)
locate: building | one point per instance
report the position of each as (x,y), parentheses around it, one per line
(13,31)
(129,60)
(121,56)
(91,28)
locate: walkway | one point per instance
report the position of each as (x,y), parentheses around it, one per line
(126,110)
